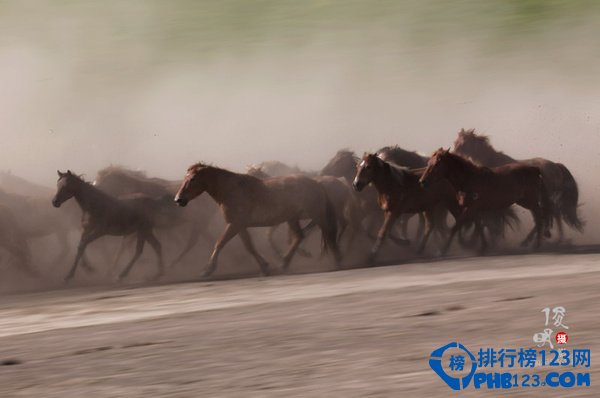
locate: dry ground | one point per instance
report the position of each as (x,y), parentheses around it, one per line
(355,333)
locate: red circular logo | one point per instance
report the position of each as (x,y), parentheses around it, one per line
(562,338)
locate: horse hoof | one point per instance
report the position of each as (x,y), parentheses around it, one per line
(206,275)
(370,260)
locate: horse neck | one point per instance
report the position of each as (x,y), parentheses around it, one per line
(382,179)
(218,182)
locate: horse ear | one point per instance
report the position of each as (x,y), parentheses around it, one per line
(69,172)
(59,173)
(448,150)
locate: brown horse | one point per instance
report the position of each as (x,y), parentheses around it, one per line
(483,189)
(342,198)
(119,181)
(400,192)
(247,201)
(560,183)
(105,215)
(13,240)
(344,165)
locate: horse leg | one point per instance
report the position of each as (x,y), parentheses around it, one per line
(404,225)
(230,232)
(87,237)
(479,230)
(388,221)
(296,230)
(192,241)
(559,224)
(155,244)
(537,219)
(428,231)
(307,230)
(460,221)
(139,247)
(247,240)
(271,239)
(120,251)
(539,226)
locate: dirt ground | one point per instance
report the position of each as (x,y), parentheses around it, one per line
(354,333)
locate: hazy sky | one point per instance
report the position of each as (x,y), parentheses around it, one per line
(158,86)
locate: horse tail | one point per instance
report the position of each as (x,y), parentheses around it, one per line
(545,204)
(568,200)
(329,229)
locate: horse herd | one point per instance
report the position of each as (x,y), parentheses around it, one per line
(473,185)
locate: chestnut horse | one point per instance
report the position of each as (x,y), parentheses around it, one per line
(105,215)
(560,183)
(342,198)
(482,189)
(400,192)
(247,201)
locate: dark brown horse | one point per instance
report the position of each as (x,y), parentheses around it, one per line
(400,192)
(119,182)
(247,201)
(560,183)
(344,165)
(483,189)
(13,240)
(105,215)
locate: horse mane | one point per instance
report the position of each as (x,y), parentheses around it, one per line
(470,134)
(401,156)
(205,166)
(137,174)
(346,153)
(466,163)
(493,156)
(200,165)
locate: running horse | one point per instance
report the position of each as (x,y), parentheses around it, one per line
(247,201)
(399,192)
(344,165)
(483,189)
(560,183)
(119,181)
(105,215)
(342,198)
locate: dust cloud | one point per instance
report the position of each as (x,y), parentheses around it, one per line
(157,86)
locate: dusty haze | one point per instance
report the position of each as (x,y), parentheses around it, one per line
(157,86)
